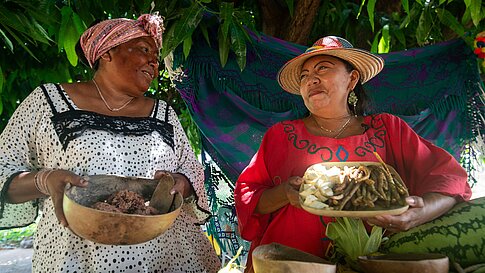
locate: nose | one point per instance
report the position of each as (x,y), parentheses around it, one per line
(154,60)
(313,78)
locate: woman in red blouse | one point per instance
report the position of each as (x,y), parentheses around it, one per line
(329,77)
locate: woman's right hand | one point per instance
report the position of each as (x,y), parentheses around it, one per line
(292,190)
(56,183)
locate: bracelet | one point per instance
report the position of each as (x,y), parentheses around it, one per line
(40,181)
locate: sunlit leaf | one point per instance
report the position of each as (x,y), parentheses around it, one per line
(384,42)
(6,40)
(475,8)
(238,45)
(370,11)
(71,36)
(360,8)
(66,12)
(405,5)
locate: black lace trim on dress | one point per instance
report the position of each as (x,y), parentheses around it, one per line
(71,124)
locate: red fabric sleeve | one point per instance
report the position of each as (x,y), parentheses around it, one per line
(253,180)
(423,166)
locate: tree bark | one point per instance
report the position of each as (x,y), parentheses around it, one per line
(275,18)
(302,22)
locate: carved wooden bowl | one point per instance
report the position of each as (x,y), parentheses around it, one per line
(115,228)
(405,263)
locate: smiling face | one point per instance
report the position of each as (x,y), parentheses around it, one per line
(325,83)
(135,63)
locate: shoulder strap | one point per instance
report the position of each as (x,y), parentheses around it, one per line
(48,98)
(61,93)
(167,108)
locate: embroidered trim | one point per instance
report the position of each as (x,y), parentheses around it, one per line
(72,123)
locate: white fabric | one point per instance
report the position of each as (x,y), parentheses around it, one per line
(29,142)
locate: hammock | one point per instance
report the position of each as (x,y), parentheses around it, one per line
(435,89)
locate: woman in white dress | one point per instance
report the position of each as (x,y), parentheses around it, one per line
(63,132)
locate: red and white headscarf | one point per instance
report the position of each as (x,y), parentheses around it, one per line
(100,38)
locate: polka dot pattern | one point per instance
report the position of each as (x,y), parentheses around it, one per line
(29,142)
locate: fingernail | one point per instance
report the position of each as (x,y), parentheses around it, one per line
(172,192)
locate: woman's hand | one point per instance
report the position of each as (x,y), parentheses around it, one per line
(421,210)
(56,183)
(182,184)
(292,190)
(279,196)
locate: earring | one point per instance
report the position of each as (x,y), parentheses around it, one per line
(352,99)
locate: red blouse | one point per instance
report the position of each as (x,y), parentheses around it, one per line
(288,149)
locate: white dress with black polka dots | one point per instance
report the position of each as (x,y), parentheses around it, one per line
(30,142)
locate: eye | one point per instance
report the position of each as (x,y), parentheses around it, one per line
(321,67)
(303,76)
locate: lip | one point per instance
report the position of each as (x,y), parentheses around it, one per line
(150,73)
(314,92)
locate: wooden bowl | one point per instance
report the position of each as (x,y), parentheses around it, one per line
(277,258)
(369,212)
(405,263)
(112,228)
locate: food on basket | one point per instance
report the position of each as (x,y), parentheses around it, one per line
(126,201)
(353,187)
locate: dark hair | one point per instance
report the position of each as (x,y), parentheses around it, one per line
(362,99)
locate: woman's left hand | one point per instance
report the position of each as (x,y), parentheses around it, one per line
(421,210)
(182,184)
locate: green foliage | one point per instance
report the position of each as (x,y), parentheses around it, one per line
(15,235)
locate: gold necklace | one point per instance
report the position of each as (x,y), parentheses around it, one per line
(339,131)
(106,104)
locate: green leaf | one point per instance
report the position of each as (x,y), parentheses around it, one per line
(446,18)
(66,12)
(399,34)
(226,11)
(238,45)
(360,8)
(423,29)
(224,46)
(2,80)
(6,40)
(375,42)
(71,36)
(370,11)
(21,43)
(205,33)
(78,23)
(187,45)
(182,28)
(291,6)
(405,5)
(385,40)
(475,8)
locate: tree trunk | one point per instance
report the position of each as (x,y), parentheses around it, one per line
(277,22)
(302,21)
(275,17)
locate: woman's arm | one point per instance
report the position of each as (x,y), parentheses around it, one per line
(279,196)
(421,210)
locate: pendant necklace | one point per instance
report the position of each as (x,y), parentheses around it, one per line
(339,131)
(106,104)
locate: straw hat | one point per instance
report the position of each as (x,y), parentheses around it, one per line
(365,62)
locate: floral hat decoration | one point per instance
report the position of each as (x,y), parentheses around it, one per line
(366,63)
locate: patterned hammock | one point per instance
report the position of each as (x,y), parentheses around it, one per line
(436,89)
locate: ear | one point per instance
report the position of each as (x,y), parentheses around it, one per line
(354,79)
(106,56)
